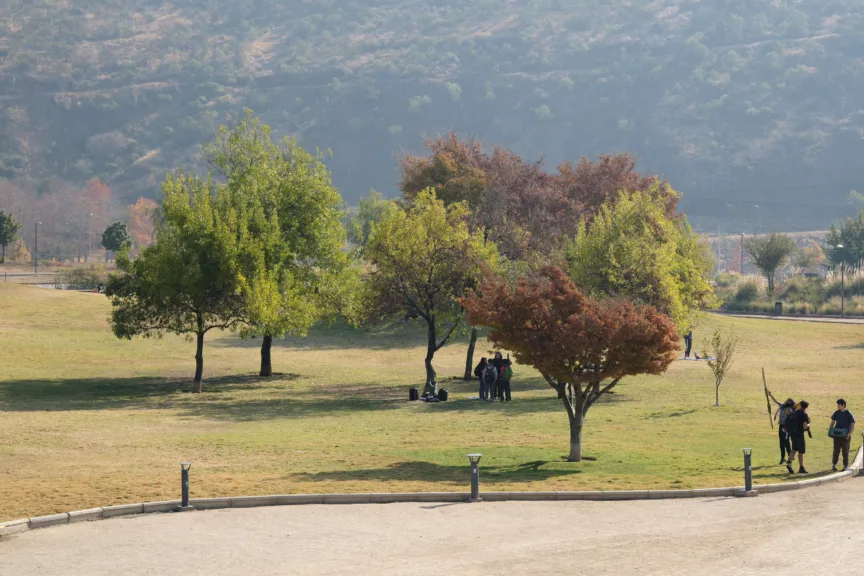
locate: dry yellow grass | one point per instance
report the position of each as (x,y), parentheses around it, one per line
(88,420)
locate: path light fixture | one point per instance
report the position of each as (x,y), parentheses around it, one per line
(184,488)
(748,471)
(475,477)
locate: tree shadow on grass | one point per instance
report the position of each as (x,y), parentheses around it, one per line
(428,471)
(340,336)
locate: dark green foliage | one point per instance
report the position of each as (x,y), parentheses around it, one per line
(9,228)
(116,237)
(769,253)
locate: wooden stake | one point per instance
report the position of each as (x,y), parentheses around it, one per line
(767,399)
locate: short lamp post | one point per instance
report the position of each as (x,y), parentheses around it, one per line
(184,488)
(748,472)
(475,477)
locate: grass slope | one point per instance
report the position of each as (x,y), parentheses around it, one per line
(88,420)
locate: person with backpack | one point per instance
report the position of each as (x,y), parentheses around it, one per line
(796,424)
(498,363)
(488,382)
(784,409)
(842,426)
(478,372)
(504,381)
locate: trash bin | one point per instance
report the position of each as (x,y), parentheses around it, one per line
(442,395)
(778,308)
(413,394)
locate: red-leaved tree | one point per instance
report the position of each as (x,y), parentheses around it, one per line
(582,347)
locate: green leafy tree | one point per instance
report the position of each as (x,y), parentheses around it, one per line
(849,234)
(769,253)
(189,281)
(116,238)
(9,228)
(635,250)
(290,237)
(371,209)
(720,349)
(424,259)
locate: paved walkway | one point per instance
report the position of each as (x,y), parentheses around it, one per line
(815,531)
(828,320)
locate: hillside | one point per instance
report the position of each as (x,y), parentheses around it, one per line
(739,103)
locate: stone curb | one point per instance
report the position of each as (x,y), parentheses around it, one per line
(11,527)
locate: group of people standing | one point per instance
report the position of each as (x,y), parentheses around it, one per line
(495,376)
(793,422)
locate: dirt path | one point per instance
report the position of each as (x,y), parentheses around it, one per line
(829,320)
(687,537)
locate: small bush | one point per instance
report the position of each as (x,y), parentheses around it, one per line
(81,278)
(747,291)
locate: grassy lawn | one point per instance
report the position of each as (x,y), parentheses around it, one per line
(88,420)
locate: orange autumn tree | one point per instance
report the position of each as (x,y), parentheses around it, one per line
(581,347)
(141,222)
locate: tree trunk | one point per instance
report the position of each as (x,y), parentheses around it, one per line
(770,283)
(198,384)
(576,424)
(431,378)
(266,365)
(469,358)
(106,256)
(717,395)
(3,258)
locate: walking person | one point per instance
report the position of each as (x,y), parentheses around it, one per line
(797,424)
(784,409)
(478,372)
(688,344)
(842,426)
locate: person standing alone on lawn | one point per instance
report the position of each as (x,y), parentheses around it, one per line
(688,344)
(842,425)
(796,424)
(784,410)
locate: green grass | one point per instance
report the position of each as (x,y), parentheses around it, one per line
(87,420)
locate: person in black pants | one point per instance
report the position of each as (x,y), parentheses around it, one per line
(842,419)
(797,424)
(784,409)
(688,343)
(498,362)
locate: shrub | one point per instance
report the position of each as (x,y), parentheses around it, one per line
(17,251)
(80,278)
(747,291)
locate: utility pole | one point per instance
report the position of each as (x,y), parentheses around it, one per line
(742,253)
(36,247)
(89,238)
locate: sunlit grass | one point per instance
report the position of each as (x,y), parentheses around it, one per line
(86,419)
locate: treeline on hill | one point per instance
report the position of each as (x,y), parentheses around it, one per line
(742,104)
(72,220)
(594,263)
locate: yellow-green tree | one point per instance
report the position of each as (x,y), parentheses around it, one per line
(424,259)
(633,249)
(286,215)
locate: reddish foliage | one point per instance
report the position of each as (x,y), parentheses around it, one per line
(582,347)
(141,225)
(549,324)
(519,206)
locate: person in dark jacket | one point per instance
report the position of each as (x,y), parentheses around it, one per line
(478,372)
(784,409)
(688,344)
(797,424)
(499,363)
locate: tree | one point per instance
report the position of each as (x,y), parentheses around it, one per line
(582,347)
(188,282)
(632,249)
(769,253)
(9,228)
(290,236)
(116,238)
(850,235)
(424,258)
(370,210)
(721,348)
(494,187)
(809,258)
(142,221)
